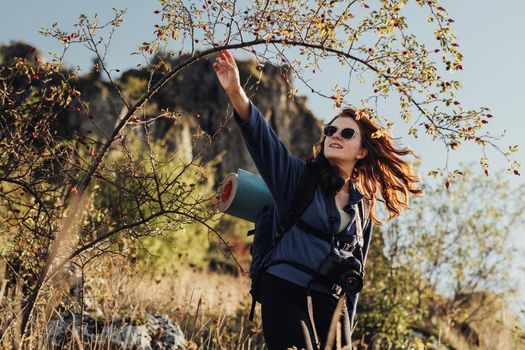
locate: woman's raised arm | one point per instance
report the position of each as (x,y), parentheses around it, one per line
(279,169)
(228,74)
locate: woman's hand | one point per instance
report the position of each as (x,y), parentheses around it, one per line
(228,74)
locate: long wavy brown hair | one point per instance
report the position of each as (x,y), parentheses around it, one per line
(381,173)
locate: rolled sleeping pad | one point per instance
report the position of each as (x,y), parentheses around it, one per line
(244,195)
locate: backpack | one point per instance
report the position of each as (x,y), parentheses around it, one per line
(263,241)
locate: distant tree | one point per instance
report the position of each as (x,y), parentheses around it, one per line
(445,267)
(393,302)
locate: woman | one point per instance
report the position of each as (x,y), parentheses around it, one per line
(348,158)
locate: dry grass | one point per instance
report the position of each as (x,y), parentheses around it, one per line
(212,309)
(168,293)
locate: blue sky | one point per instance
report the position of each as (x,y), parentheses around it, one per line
(490,36)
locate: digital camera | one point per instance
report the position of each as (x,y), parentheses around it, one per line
(343,269)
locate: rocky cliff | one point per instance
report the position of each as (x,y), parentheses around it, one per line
(196,96)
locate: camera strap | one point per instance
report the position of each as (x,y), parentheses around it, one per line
(364,206)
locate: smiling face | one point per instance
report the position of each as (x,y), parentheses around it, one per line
(342,152)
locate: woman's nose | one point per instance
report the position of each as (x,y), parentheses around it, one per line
(336,135)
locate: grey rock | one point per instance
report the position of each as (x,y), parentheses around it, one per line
(166,333)
(159,332)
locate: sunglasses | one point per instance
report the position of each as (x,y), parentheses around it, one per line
(346,133)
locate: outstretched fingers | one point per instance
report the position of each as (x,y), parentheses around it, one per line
(219,64)
(228,57)
(224,63)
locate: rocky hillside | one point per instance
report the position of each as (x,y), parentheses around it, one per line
(197,92)
(197,97)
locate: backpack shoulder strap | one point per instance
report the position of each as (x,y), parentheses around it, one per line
(364,206)
(362,217)
(302,198)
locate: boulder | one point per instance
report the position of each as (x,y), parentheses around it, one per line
(153,332)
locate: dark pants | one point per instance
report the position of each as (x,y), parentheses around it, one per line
(284,306)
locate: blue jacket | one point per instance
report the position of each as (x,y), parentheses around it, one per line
(281,171)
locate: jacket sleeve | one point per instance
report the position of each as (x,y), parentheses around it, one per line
(279,169)
(262,240)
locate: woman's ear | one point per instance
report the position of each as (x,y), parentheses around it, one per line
(363,152)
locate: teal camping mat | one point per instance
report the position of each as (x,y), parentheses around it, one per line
(244,195)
